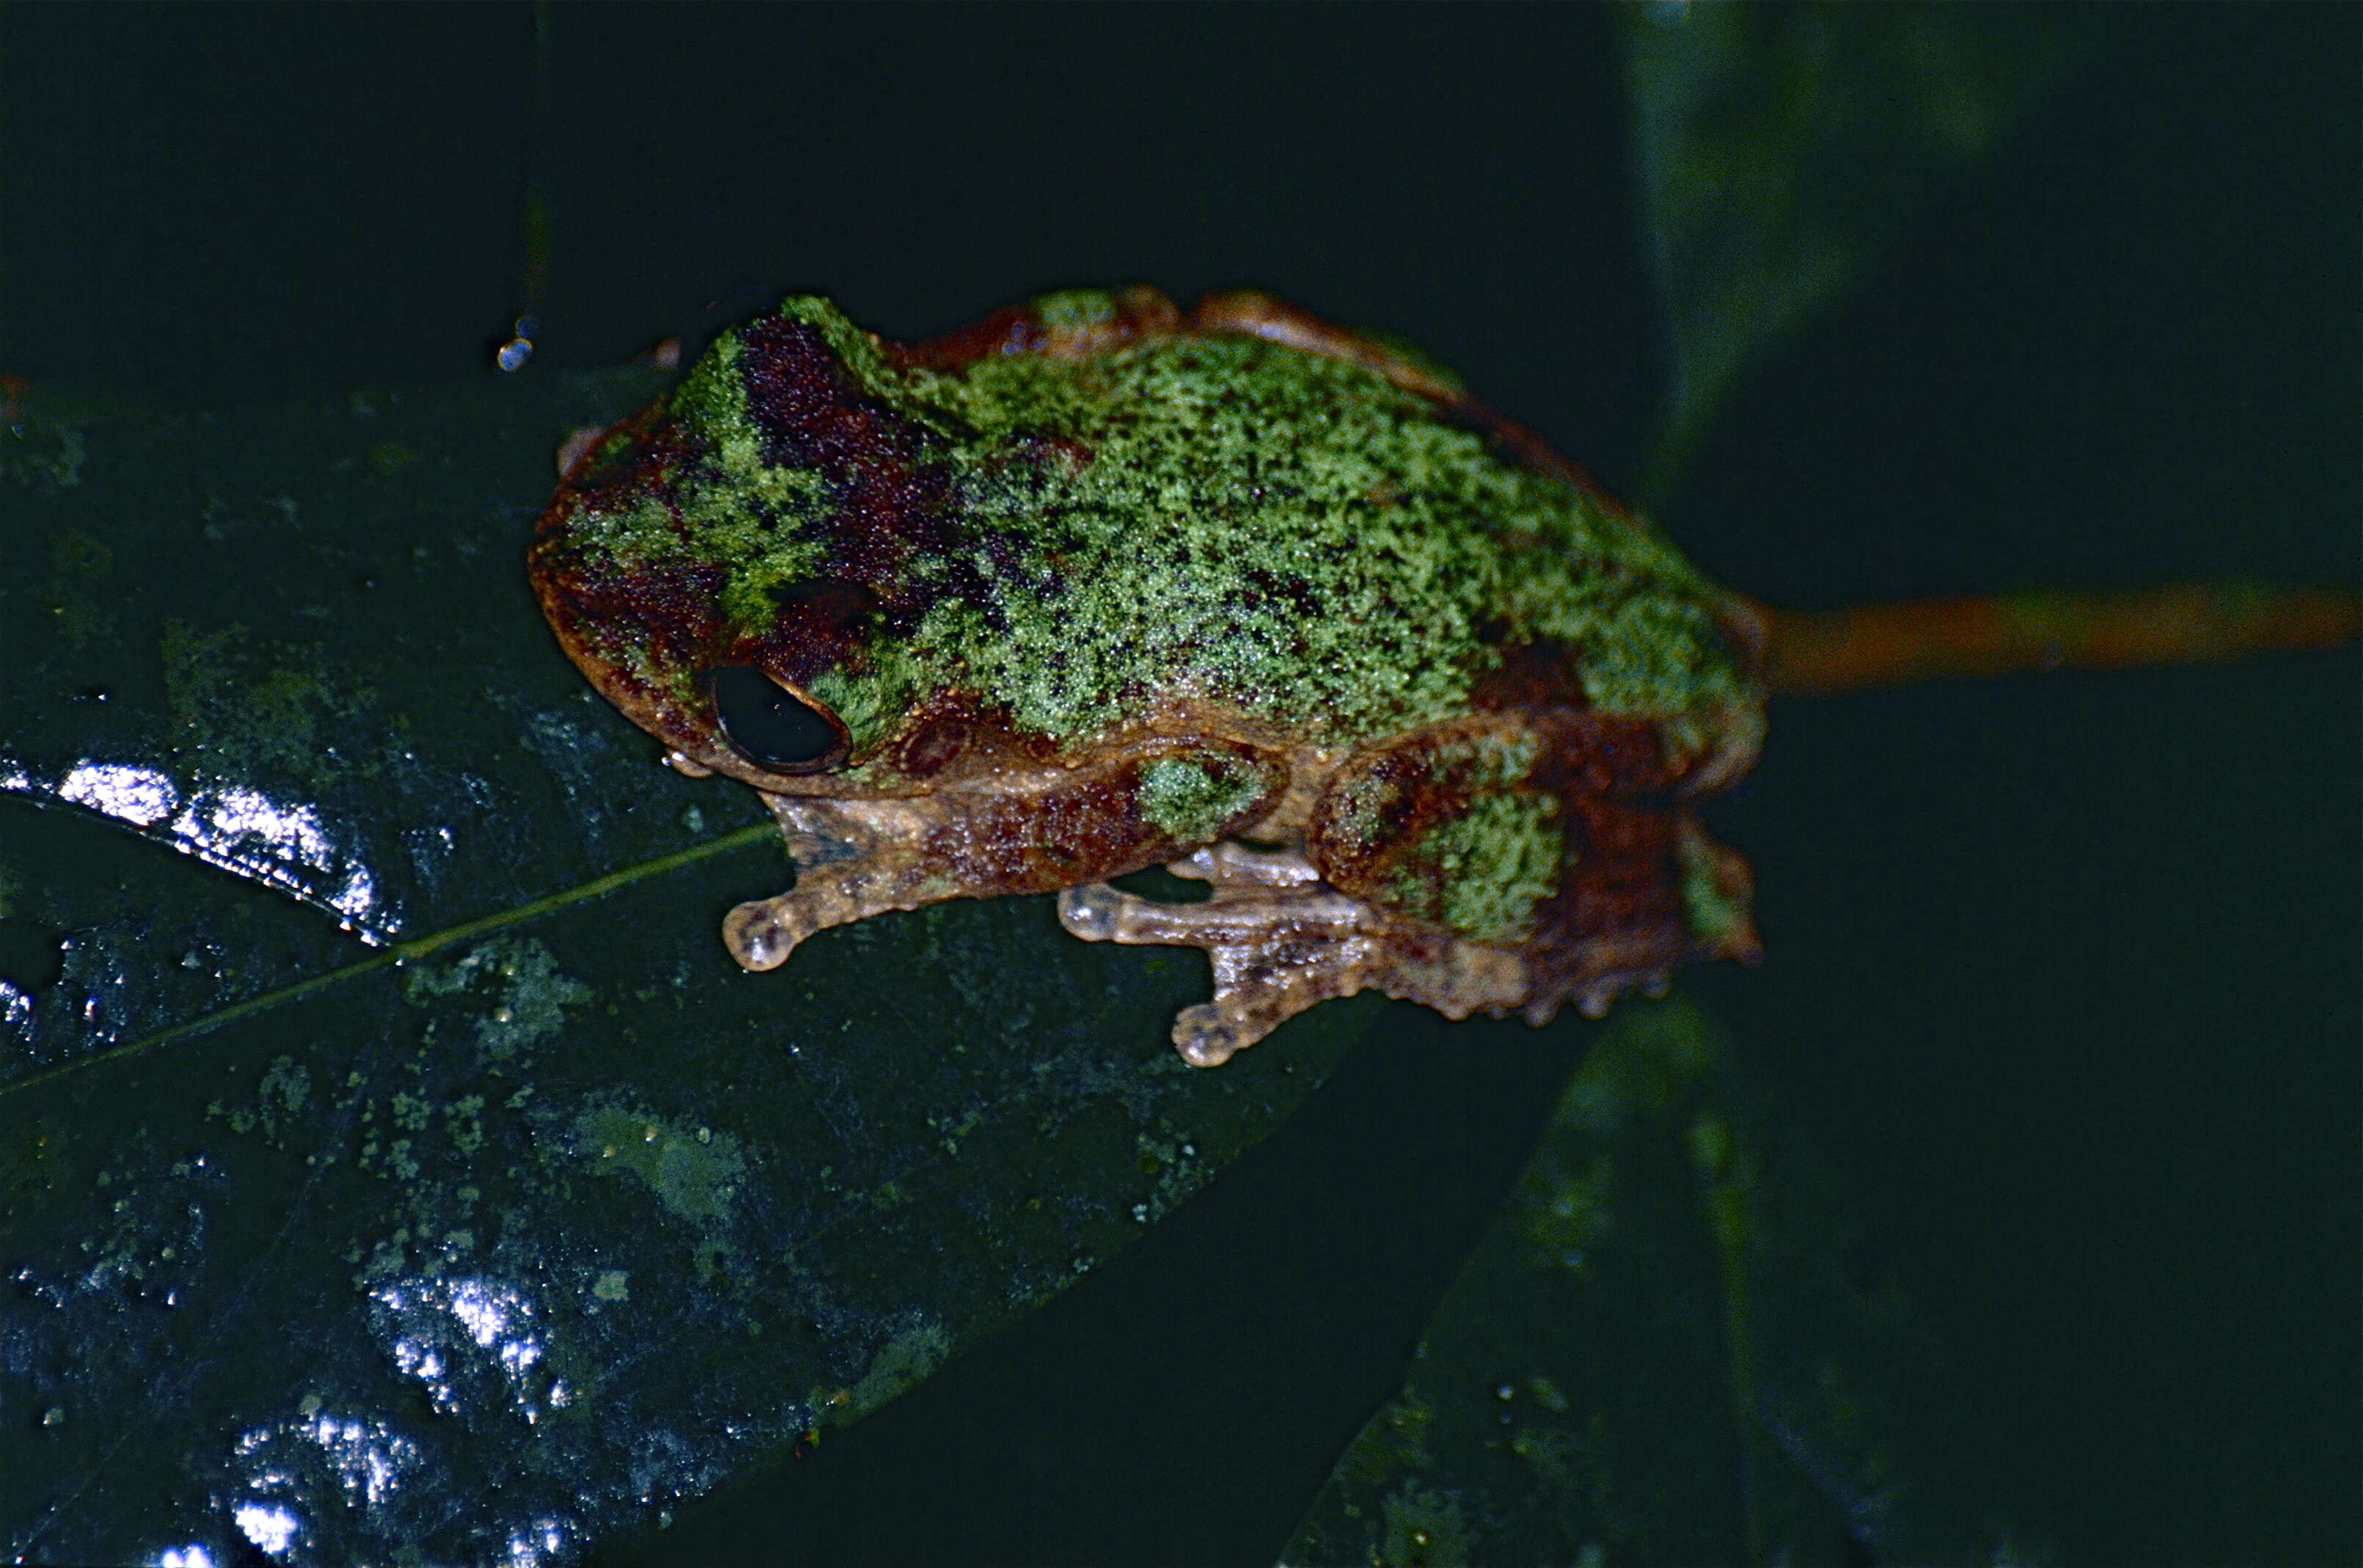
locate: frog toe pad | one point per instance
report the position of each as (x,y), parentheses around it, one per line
(761,934)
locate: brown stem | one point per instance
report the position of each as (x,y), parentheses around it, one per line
(1889,645)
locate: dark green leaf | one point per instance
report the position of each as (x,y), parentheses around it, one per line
(1670,1347)
(1783,147)
(392,1161)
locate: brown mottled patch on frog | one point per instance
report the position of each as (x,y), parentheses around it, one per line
(1620,920)
(1137,312)
(819,624)
(1591,794)
(824,602)
(1042,842)
(1593,752)
(1615,855)
(670,607)
(1530,675)
(933,746)
(890,494)
(954,734)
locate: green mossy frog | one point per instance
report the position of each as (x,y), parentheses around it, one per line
(1097,584)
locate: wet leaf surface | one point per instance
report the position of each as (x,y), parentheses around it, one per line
(392,1161)
(1673,1345)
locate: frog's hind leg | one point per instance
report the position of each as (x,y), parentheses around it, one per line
(1281,939)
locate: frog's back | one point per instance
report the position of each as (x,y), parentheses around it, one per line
(1090,505)
(1314,527)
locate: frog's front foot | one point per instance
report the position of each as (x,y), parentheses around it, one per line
(1281,939)
(761,934)
(854,858)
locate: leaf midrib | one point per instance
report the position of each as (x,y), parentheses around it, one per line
(395,954)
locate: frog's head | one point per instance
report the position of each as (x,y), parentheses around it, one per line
(737,567)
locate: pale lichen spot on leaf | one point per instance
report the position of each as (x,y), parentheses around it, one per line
(43,455)
(899,1365)
(694,1172)
(1392,1443)
(279,1099)
(531,1003)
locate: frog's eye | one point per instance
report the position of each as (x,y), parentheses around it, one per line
(771,725)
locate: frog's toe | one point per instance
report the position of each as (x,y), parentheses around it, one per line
(1093,911)
(1256,990)
(1231,864)
(762,934)
(1204,1037)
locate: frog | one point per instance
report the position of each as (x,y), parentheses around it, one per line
(1097,584)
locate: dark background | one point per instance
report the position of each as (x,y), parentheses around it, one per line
(2063,969)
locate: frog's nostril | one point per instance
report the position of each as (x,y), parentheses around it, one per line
(769,725)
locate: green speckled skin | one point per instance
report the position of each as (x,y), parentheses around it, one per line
(1095,582)
(1074,538)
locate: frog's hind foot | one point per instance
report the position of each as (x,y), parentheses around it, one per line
(1280,939)
(1274,954)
